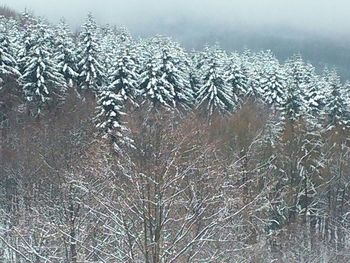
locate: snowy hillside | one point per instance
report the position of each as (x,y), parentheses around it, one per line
(115,149)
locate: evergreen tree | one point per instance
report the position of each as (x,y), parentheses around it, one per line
(337,107)
(292,108)
(91,73)
(65,55)
(42,81)
(153,86)
(27,40)
(124,77)
(175,70)
(9,73)
(194,76)
(112,41)
(109,47)
(314,96)
(8,64)
(299,72)
(311,86)
(237,77)
(165,74)
(252,67)
(214,94)
(109,119)
(123,36)
(15,38)
(273,84)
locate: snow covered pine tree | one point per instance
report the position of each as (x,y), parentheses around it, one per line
(214,93)
(124,77)
(42,80)
(65,55)
(109,119)
(8,64)
(91,73)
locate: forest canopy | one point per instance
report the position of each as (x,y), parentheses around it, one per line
(115,149)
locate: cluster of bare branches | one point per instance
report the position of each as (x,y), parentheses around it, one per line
(241,188)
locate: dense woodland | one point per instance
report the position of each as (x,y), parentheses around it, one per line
(116,149)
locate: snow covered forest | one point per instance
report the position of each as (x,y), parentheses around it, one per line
(115,149)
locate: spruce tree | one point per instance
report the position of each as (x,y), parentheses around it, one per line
(214,94)
(292,108)
(123,80)
(109,119)
(154,88)
(9,73)
(236,76)
(123,35)
(27,39)
(273,84)
(194,75)
(8,64)
(252,67)
(42,81)
(65,54)
(314,96)
(337,107)
(160,73)
(91,73)
(175,70)
(299,73)
(109,47)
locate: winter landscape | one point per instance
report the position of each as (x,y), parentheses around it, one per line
(123,149)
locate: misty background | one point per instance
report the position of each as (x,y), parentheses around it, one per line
(317,29)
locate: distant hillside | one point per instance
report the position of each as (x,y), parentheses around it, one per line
(8,12)
(284,42)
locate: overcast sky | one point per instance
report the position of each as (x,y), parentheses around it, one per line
(327,17)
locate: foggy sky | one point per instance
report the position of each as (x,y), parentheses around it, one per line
(324,17)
